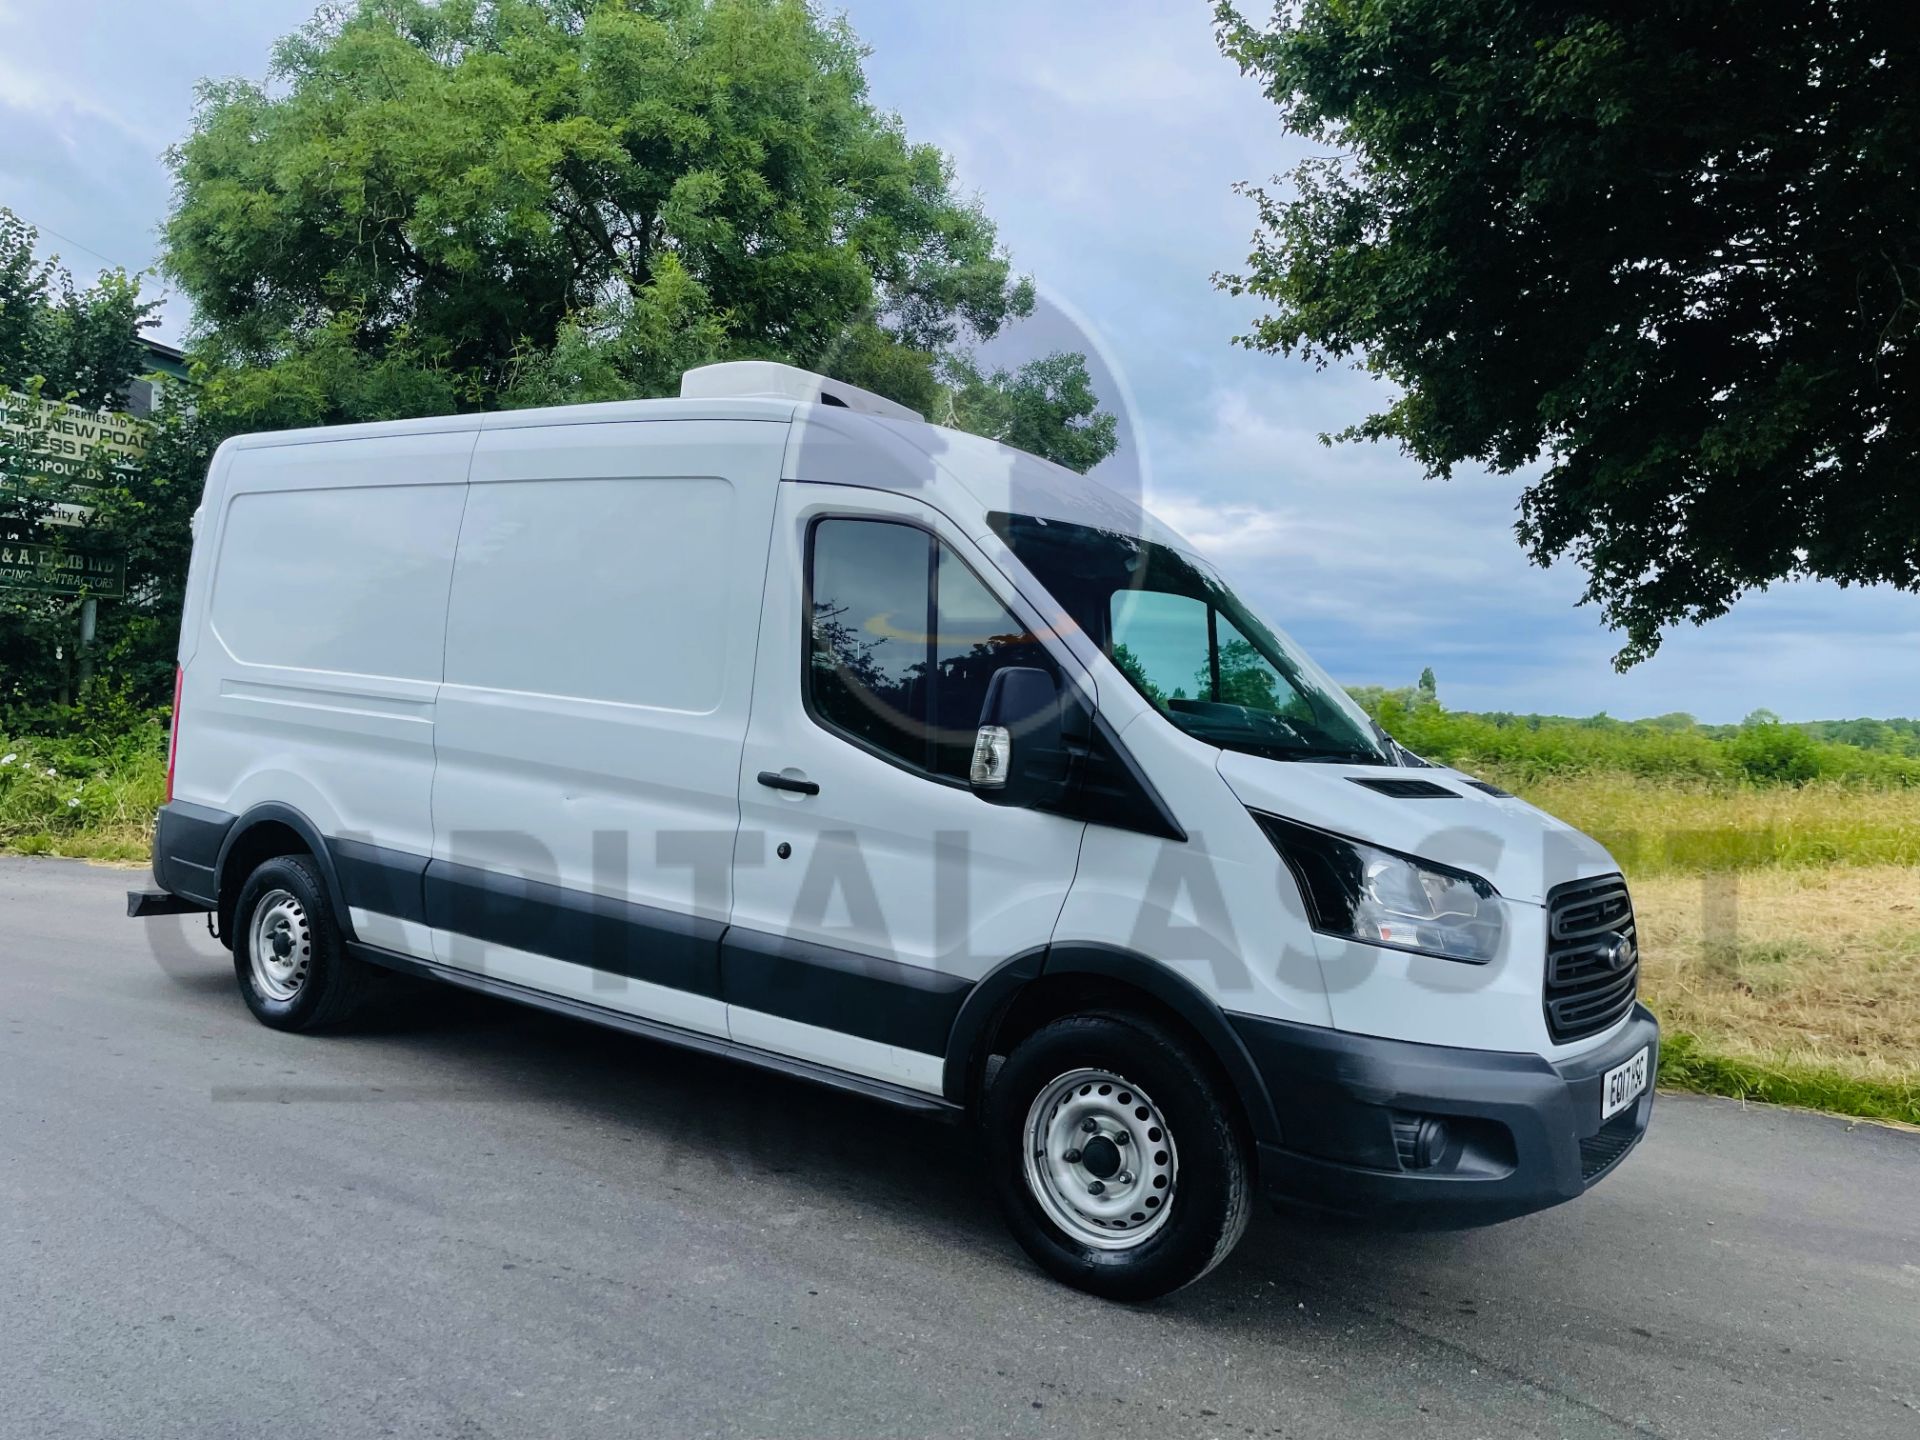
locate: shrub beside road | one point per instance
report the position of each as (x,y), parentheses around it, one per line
(1780,920)
(92,796)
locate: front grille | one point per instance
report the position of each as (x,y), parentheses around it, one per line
(1607,1144)
(1588,985)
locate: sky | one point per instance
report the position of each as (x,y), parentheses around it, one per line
(1105,140)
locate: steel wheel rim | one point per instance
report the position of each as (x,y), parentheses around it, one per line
(1076,1127)
(280,945)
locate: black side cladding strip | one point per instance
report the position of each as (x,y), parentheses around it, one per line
(873,998)
(387,882)
(861,995)
(638,941)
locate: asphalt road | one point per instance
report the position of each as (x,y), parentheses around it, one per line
(471,1220)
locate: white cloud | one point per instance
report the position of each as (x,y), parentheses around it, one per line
(1126,73)
(74,110)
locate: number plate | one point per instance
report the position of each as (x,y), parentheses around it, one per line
(1622,1085)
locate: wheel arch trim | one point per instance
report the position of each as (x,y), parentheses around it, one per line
(989,1001)
(274,812)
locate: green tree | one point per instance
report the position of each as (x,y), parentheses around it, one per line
(1868,734)
(483,202)
(146,513)
(1675,249)
(1371,697)
(25,300)
(1429,687)
(1046,407)
(78,344)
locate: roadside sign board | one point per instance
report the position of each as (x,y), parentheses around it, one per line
(45,446)
(41,569)
(53,442)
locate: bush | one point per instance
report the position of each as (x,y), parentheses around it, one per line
(1532,748)
(1774,753)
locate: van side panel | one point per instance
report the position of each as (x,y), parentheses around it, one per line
(599,664)
(315,660)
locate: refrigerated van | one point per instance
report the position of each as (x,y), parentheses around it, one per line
(774,722)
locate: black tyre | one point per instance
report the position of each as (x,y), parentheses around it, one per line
(293,967)
(1120,1161)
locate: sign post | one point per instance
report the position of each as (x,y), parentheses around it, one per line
(89,618)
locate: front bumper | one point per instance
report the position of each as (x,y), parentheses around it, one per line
(1522,1132)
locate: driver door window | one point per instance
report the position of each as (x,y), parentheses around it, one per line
(902,640)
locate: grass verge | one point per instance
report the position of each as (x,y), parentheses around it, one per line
(1686,1064)
(88,799)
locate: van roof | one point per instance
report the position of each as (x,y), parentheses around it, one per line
(842,435)
(603,413)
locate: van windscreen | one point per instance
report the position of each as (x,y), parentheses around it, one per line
(1187,643)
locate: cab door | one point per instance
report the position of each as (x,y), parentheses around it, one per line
(872,887)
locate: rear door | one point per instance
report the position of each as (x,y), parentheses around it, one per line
(599,660)
(312,685)
(872,888)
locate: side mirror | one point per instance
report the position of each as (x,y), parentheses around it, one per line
(1019,754)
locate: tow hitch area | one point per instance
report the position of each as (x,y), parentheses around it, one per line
(141,903)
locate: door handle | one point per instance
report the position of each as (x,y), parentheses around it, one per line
(774,780)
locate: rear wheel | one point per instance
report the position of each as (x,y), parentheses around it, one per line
(1118,1157)
(288,954)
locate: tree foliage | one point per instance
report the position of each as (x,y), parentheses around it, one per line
(78,344)
(1674,249)
(482,202)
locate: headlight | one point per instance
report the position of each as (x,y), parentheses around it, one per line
(1360,892)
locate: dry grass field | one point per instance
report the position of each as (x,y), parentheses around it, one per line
(1780,929)
(1795,985)
(1656,827)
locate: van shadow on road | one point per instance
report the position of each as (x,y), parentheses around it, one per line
(688,1108)
(691,1110)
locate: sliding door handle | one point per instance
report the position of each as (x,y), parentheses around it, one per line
(774,780)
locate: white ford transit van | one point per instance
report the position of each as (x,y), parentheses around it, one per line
(774,722)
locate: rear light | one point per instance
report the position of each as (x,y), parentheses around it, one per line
(173,735)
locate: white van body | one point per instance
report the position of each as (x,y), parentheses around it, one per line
(580,706)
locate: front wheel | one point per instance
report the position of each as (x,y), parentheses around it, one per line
(1118,1158)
